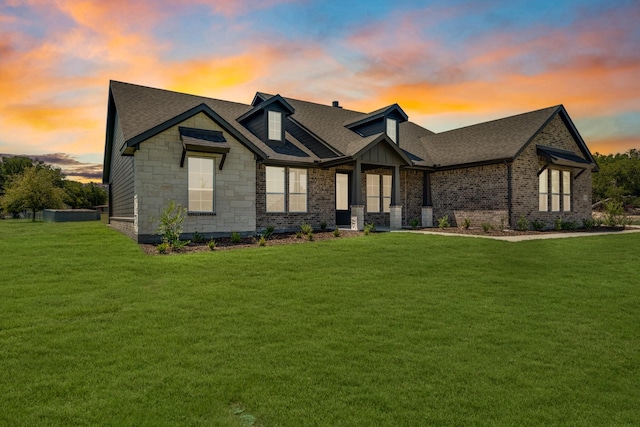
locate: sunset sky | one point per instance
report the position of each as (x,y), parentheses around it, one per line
(448,64)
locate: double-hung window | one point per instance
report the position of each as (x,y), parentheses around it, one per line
(554,191)
(276,189)
(375,197)
(201,184)
(275,125)
(297,190)
(373,193)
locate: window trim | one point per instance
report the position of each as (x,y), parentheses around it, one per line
(213,186)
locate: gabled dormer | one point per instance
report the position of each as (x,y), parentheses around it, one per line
(385,120)
(266,119)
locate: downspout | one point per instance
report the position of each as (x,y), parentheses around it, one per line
(509,196)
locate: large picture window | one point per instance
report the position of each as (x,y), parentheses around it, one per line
(275,189)
(554,191)
(275,125)
(200,184)
(297,190)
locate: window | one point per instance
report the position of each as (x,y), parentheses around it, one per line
(386,193)
(391,129)
(275,189)
(566,191)
(375,183)
(297,190)
(275,125)
(560,193)
(543,191)
(373,193)
(200,184)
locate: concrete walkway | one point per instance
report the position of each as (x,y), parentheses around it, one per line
(521,238)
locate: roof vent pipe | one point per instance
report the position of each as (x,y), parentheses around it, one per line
(336,104)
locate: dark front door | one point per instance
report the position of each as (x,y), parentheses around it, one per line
(343,199)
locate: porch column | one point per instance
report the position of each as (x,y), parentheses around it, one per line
(395,211)
(357,207)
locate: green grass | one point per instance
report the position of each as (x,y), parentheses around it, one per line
(386,329)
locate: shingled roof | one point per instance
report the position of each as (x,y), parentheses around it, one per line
(144,111)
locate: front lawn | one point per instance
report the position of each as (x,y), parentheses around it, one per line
(386,329)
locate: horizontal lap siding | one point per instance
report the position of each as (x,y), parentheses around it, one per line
(121,184)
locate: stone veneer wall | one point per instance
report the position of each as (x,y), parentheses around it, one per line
(477,193)
(321,201)
(525,179)
(159,179)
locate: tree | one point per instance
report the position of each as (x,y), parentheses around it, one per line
(34,189)
(11,166)
(84,196)
(619,176)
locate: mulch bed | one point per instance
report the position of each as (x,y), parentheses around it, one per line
(224,243)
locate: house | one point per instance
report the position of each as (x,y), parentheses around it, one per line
(281,162)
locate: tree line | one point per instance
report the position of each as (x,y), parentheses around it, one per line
(28,185)
(618,178)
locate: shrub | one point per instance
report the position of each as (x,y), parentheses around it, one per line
(171,221)
(198,238)
(306,229)
(369,228)
(503,222)
(336,232)
(310,237)
(414,222)
(523,223)
(538,225)
(323,225)
(298,234)
(614,213)
(589,223)
(179,245)
(466,223)
(444,222)
(262,241)
(268,232)
(486,227)
(557,224)
(212,244)
(163,248)
(235,237)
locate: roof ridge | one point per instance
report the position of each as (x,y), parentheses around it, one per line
(555,108)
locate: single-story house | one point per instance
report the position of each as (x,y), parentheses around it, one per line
(281,162)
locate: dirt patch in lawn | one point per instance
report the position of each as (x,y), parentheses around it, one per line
(225,243)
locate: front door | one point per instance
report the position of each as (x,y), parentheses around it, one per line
(343,199)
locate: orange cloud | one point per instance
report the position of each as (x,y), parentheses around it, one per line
(613,145)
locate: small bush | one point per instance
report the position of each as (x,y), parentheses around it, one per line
(503,223)
(538,225)
(163,248)
(523,223)
(466,223)
(323,225)
(235,237)
(171,220)
(444,222)
(212,244)
(414,223)
(298,234)
(198,238)
(336,232)
(486,227)
(588,223)
(614,214)
(179,245)
(369,228)
(262,241)
(310,237)
(306,229)
(268,232)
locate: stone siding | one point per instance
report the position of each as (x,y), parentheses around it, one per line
(124,225)
(159,179)
(525,178)
(477,193)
